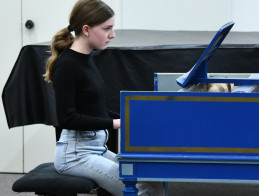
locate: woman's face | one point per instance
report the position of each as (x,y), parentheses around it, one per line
(99,36)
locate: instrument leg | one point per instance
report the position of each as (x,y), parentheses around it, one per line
(165,185)
(130,188)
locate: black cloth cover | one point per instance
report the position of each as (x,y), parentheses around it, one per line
(28,99)
(128,64)
(44,179)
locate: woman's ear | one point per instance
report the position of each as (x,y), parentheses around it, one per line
(85,30)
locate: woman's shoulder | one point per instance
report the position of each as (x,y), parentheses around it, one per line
(66,58)
(66,65)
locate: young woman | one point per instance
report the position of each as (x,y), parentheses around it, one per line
(80,99)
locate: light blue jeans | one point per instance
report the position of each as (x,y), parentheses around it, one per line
(85,154)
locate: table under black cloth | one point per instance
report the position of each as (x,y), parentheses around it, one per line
(129,63)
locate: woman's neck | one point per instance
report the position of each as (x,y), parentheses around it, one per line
(81,45)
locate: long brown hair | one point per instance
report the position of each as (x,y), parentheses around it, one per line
(90,12)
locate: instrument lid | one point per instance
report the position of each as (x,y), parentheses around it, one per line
(199,71)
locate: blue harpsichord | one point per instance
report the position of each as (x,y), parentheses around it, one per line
(202,130)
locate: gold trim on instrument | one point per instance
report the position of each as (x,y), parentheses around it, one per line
(191,98)
(129,98)
(191,149)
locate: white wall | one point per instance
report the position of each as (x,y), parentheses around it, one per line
(11,143)
(190,15)
(175,14)
(245,14)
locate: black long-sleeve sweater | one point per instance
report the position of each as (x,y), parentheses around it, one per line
(80,94)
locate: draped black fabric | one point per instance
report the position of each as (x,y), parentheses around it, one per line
(128,64)
(28,99)
(134,69)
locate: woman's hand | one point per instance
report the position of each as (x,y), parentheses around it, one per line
(116,123)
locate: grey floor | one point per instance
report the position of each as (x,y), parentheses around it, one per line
(6,182)
(174,189)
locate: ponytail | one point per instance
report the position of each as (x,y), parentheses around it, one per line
(60,42)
